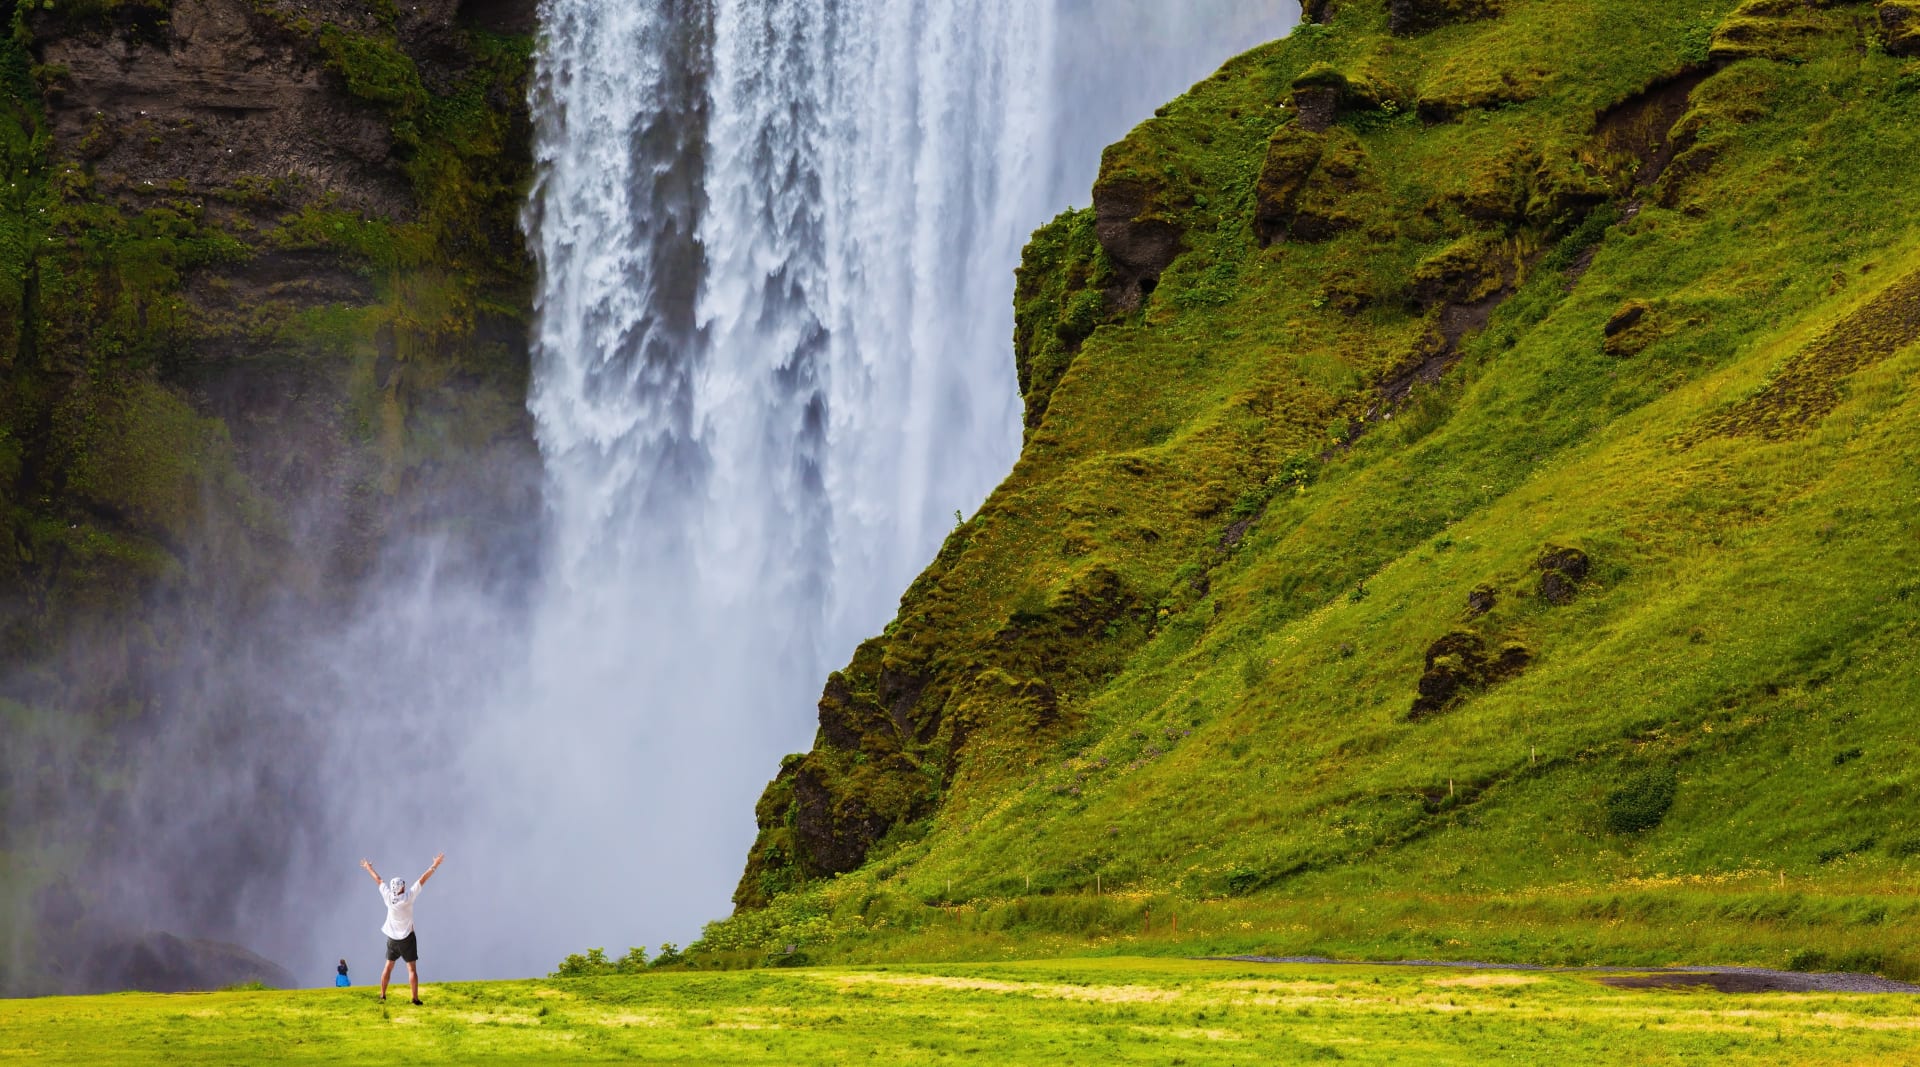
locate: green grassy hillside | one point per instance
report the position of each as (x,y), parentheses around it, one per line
(1468,508)
(1088,1011)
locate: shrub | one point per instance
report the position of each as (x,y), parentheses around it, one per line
(1243,880)
(1641,802)
(595,962)
(670,954)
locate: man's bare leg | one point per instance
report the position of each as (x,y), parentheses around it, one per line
(384,976)
(413,981)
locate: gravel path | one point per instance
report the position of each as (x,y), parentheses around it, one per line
(1723,979)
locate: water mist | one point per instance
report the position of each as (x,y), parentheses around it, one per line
(772,360)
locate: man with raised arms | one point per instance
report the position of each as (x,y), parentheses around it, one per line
(401,942)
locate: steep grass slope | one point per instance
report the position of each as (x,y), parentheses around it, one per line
(1467,507)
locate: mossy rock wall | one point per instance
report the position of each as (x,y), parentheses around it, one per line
(264,312)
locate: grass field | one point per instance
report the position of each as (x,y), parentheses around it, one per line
(1079,1011)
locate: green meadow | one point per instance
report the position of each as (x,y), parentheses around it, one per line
(1123,1010)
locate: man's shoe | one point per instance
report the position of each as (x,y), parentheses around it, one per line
(416,1000)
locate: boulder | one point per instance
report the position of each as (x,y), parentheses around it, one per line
(1481,600)
(1561,572)
(1900,26)
(1460,662)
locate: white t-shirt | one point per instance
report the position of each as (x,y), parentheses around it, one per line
(399,911)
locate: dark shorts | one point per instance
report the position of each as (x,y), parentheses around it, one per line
(407,948)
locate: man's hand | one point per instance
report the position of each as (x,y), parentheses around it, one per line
(432,868)
(367,866)
(439,859)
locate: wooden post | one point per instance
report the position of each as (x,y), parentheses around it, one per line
(1029,883)
(1146,922)
(1096,883)
(1449,787)
(1176,924)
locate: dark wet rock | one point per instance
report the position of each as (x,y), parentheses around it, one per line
(1292,155)
(1626,318)
(1561,572)
(834,831)
(1139,237)
(1408,17)
(1481,600)
(1306,184)
(1460,662)
(1316,11)
(164,963)
(1900,27)
(1465,272)
(513,17)
(1317,106)
(1632,329)
(837,726)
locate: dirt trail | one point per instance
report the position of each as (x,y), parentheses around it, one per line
(1723,979)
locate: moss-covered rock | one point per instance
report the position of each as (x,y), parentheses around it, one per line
(1060,298)
(1900,26)
(1407,17)
(1767,29)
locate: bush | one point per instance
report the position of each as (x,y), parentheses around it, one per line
(1642,801)
(595,963)
(1243,881)
(670,954)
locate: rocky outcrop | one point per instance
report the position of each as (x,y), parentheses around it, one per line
(1408,17)
(1139,234)
(1900,26)
(1460,663)
(219,96)
(1306,184)
(1768,29)
(1562,571)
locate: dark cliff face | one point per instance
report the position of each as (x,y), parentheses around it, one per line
(263,320)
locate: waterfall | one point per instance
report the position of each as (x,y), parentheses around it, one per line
(775,242)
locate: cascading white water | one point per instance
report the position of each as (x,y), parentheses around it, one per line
(772,360)
(775,240)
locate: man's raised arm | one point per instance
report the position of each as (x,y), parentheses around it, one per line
(368,867)
(432,868)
